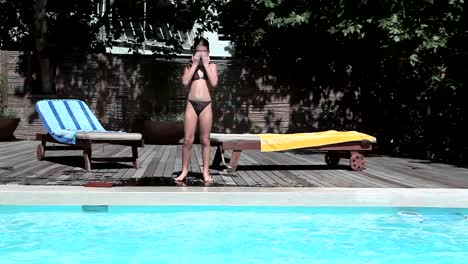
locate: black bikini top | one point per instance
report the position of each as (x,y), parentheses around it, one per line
(197,75)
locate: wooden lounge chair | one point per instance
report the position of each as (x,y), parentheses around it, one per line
(334,152)
(71,122)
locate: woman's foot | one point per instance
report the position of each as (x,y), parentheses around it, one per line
(180,183)
(207,178)
(181,177)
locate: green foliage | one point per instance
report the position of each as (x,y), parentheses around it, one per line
(47,30)
(4,89)
(77,25)
(7,113)
(408,59)
(162,86)
(178,117)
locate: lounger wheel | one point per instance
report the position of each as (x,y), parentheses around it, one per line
(332,159)
(40,153)
(357,162)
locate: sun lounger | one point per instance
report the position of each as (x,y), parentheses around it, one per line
(71,122)
(347,144)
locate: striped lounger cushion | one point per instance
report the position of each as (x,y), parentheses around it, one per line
(69,119)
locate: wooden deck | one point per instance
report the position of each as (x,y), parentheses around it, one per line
(160,163)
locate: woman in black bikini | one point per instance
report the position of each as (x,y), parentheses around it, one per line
(199,75)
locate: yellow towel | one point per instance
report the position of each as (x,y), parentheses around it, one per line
(277,142)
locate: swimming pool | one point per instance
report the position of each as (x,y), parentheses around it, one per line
(232,234)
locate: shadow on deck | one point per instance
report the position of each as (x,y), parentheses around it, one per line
(159,164)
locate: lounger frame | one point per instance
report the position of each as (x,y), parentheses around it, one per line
(86,146)
(334,152)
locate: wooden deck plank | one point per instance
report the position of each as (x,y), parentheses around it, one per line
(260,159)
(279,176)
(274,174)
(215,174)
(125,152)
(291,159)
(359,177)
(316,177)
(389,182)
(336,175)
(18,165)
(290,181)
(250,179)
(24,172)
(228,180)
(298,181)
(15,164)
(9,147)
(162,162)
(435,176)
(281,182)
(269,182)
(238,181)
(5,155)
(456,177)
(149,170)
(400,177)
(145,164)
(51,171)
(6,158)
(191,164)
(350,181)
(256,180)
(378,175)
(103,151)
(145,152)
(221,176)
(260,181)
(169,169)
(310,181)
(178,159)
(197,158)
(247,159)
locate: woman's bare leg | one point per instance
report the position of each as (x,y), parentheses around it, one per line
(206,120)
(190,125)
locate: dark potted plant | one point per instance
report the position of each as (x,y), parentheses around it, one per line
(163,129)
(8,119)
(162,120)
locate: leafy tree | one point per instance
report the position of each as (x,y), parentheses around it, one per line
(47,29)
(405,58)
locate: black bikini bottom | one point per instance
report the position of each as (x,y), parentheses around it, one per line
(199,106)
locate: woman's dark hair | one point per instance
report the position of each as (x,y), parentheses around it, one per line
(200,40)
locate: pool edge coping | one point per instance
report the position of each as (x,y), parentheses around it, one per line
(233,196)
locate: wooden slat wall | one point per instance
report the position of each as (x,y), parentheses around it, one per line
(247,98)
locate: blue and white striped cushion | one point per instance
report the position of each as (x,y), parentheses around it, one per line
(63,119)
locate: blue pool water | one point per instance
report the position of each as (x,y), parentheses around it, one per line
(199,234)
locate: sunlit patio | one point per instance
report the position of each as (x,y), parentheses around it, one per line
(158,164)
